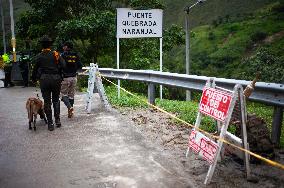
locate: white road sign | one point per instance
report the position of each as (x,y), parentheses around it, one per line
(139,23)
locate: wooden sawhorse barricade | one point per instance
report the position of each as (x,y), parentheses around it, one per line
(95,81)
(219,104)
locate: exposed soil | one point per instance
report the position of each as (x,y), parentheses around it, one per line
(230,172)
(274,37)
(267,40)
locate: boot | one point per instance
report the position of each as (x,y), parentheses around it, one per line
(56,107)
(48,113)
(57,122)
(70,112)
(50,126)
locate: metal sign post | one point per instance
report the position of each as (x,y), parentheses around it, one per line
(219,104)
(95,80)
(117,66)
(161,66)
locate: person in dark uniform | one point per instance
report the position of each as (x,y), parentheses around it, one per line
(24,66)
(8,70)
(68,85)
(48,69)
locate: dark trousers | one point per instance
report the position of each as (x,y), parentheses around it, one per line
(8,71)
(25,76)
(50,90)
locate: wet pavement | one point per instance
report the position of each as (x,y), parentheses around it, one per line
(101,149)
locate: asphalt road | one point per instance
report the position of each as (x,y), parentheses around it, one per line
(101,149)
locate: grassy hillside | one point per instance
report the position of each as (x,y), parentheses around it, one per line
(210,10)
(224,34)
(220,49)
(202,14)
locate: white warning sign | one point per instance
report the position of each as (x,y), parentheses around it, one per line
(139,23)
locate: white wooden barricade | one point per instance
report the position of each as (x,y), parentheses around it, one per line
(95,81)
(219,104)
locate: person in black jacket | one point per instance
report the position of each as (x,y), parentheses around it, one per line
(8,70)
(48,67)
(24,67)
(68,85)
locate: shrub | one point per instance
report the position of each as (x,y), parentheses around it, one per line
(258,36)
(82,82)
(1,64)
(278,8)
(269,65)
(215,23)
(211,36)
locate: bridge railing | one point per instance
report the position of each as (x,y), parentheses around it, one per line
(266,93)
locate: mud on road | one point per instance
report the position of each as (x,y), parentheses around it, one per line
(134,148)
(173,138)
(97,150)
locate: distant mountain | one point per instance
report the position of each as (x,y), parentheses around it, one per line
(210,10)
(236,46)
(204,13)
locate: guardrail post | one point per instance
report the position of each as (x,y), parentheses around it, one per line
(151,93)
(276,125)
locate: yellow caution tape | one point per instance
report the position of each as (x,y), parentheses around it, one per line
(272,163)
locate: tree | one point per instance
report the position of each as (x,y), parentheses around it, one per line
(264,61)
(146,4)
(91,25)
(95,31)
(46,14)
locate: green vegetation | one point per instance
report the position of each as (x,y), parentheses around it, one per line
(125,99)
(236,47)
(230,39)
(187,110)
(265,112)
(211,11)
(239,49)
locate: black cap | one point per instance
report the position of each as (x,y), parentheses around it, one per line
(68,44)
(45,38)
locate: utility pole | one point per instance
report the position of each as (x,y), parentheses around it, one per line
(187,42)
(3,27)
(13,40)
(187,64)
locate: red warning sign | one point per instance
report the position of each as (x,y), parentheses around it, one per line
(203,146)
(215,103)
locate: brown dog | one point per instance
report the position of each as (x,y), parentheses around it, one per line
(34,106)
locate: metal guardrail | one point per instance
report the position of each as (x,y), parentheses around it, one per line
(267,93)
